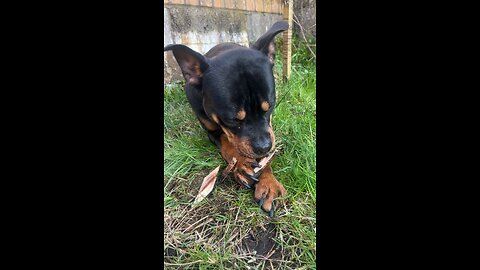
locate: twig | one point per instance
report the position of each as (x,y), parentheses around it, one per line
(258,257)
(271,265)
(270,253)
(195,223)
(295,20)
(180,264)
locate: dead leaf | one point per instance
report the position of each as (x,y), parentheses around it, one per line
(263,162)
(207,185)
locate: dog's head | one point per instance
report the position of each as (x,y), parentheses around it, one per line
(238,89)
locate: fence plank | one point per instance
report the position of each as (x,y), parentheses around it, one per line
(218,4)
(287,40)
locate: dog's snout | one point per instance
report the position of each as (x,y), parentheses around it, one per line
(262,145)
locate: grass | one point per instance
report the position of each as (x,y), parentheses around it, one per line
(228,230)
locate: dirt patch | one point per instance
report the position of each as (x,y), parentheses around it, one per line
(170,252)
(262,244)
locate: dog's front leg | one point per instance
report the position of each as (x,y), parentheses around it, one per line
(268,189)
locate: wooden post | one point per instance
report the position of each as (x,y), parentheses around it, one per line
(287,40)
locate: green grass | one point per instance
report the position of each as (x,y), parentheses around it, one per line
(227,229)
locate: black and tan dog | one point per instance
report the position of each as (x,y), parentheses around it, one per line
(232,91)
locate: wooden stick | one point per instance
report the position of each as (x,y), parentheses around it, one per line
(287,40)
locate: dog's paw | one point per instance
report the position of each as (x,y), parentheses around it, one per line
(266,191)
(244,173)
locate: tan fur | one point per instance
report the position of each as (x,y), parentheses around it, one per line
(265,106)
(241,114)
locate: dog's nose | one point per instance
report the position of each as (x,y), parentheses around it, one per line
(262,146)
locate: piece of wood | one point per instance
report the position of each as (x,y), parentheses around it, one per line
(287,40)
(264,161)
(229,168)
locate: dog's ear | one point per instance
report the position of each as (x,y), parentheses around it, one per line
(266,42)
(192,63)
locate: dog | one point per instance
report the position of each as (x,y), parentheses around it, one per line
(231,89)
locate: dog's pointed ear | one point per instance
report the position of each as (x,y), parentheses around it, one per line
(192,63)
(266,42)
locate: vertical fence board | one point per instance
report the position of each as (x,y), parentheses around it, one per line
(287,40)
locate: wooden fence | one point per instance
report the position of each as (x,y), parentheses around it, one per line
(285,8)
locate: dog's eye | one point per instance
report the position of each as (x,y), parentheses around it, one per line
(234,123)
(238,121)
(230,122)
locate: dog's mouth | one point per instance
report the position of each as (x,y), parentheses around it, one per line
(254,156)
(266,155)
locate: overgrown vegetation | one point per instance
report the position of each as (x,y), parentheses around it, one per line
(228,230)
